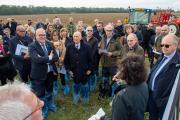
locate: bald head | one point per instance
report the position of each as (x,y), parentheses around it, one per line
(20,30)
(77,37)
(132,40)
(20,27)
(173,39)
(169,44)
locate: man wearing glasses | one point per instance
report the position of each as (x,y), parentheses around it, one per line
(19,103)
(93,43)
(43,58)
(162,77)
(111,52)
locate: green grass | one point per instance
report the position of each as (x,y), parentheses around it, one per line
(68,111)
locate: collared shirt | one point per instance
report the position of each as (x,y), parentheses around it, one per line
(43,44)
(50,57)
(107,41)
(78,46)
(159,70)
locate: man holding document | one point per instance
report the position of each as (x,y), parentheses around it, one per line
(111,52)
(19,51)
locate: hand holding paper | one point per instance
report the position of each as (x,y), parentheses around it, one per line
(98,115)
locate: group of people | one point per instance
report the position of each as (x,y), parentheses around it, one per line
(75,53)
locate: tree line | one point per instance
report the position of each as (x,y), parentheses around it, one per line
(24,10)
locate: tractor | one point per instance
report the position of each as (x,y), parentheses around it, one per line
(139,16)
(142,17)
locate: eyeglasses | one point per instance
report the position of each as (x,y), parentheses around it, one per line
(109,30)
(38,107)
(89,30)
(165,45)
(164,30)
(22,31)
(42,35)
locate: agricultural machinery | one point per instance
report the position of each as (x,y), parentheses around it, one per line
(141,16)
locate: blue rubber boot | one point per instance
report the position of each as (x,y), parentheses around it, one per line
(51,102)
(76,92)
(66,90)
(85,93)
(55,87)
(66,87)
(93,82)
(44,109)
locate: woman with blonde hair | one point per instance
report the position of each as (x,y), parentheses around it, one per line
(65,41)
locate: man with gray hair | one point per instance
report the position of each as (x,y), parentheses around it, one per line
(111,52)
(162,77)
(17,102)
(78,61)
(133,46)
(43,58)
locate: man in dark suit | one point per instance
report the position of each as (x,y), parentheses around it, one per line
(43,58)
(162,77)
(78,60)
(22,60)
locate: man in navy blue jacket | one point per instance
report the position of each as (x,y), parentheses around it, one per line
(43,58)
(78,60)
(162,77)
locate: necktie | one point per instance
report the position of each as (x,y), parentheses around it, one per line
(77,47)
(44,49)
(152,79)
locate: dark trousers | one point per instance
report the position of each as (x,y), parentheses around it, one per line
(108,73)
(41,87)
(25,73)
(63,79)
(154,112)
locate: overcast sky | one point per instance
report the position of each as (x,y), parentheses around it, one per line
(174,4)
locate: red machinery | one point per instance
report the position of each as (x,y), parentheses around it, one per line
(164,17)
(142,16)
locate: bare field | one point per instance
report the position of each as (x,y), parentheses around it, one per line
(87,18)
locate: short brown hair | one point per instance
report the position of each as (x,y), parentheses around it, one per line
(132,69)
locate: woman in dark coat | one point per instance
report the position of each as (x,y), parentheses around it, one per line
(130,103)
(7,69)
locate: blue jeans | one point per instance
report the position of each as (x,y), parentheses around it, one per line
(80,89)
(92,79)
